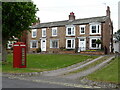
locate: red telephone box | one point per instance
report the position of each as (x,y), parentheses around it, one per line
(19,55)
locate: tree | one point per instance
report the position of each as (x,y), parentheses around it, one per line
(98,41)
(16,18)
(117,35)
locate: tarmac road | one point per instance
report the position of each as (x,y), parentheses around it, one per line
(15,83)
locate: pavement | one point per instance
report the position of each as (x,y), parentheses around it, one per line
(57,77)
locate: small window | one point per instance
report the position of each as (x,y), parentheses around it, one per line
(98,28)
(93,29)
(70,44)
(54,44)
(70,31)
(34,33)
(44,32)
(54,31)
(34,44)
(81,39)
(94,43)
(82,29)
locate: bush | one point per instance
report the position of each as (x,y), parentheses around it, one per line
(38,50)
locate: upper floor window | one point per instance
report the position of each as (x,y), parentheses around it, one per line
(44,32)
(34,33)
(95,29)
(54,31)
(70,31)
(82,29)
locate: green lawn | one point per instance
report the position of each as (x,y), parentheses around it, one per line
(44,62)
(110,73)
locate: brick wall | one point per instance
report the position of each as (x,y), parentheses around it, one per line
(105,32)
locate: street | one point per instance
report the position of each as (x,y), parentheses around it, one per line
(15,83)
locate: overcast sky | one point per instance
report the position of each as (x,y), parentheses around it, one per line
(58,10)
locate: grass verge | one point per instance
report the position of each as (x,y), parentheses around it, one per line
(110,73)
(44,62)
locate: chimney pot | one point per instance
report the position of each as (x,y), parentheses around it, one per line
(108,11)
(71,16)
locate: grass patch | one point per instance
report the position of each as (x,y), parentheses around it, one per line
(110,73)
(44,62)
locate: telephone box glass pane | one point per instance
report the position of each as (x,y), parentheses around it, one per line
(23,56)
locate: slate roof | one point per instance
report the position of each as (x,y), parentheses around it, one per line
(69,22)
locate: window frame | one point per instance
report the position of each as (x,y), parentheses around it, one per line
(72,27)
(54,29)
(34,30)
(51,46)
(96,44)
(98,28)
(31,46)
(82,26)
(43,29)
(72,44)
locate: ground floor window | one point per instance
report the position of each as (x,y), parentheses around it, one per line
(70,43)
(93,44)
(34,44)
(54,44)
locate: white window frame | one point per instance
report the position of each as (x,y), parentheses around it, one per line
(72,30)
(82,26)
(43,30)
(34,30)
(32,43)
(54,29)
(52,45)
(90,45)
(72,43)
(95,24)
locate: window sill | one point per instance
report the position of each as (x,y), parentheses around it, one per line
(95,33)
(54,48)
(82,33)
(70,35)
(70,48)
(33,48)
(95,48)
(54,35)
(33,37)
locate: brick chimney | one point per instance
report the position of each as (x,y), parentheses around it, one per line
(108,11)
(71,16)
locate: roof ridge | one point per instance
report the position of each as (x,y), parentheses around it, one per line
(68,22)
(74,20)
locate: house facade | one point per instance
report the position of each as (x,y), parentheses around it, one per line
(73,35)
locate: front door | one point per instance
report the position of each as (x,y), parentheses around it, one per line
(82,45)
(43,45)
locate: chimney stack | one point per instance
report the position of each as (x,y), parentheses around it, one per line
(71,16)
(38,20)
(108,11)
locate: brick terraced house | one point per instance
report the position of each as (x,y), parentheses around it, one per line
(75,35)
